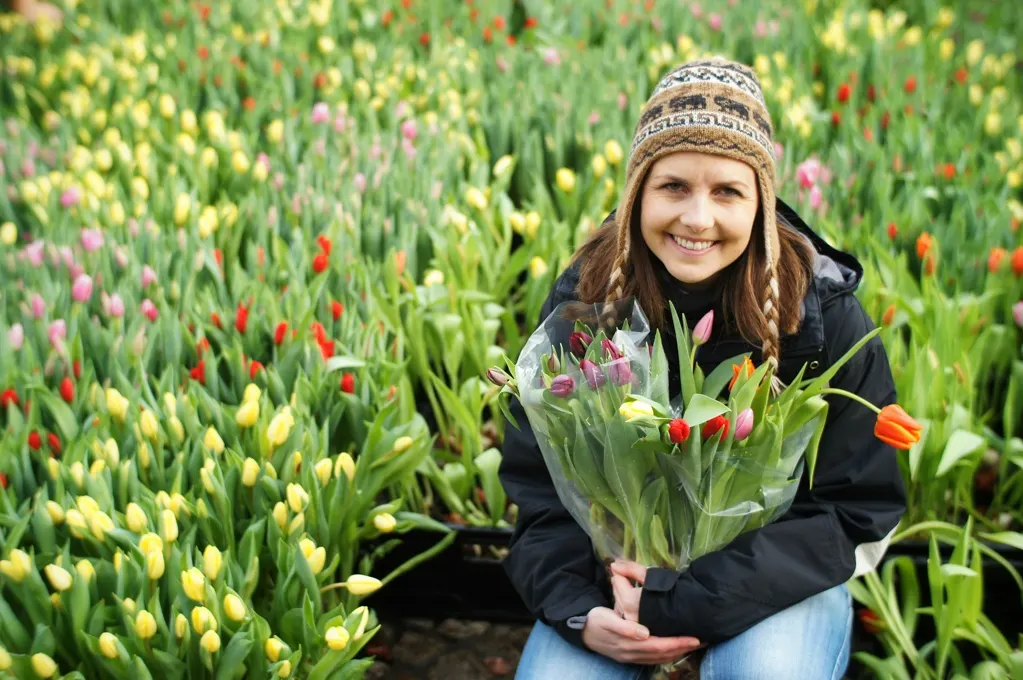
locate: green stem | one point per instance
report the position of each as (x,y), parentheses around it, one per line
(850,395)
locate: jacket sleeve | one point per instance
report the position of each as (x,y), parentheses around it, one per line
(839,529)
(551,561)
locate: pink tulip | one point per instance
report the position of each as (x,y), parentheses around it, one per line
(75,270)
(360,182)
(66,256)
(28,168)
(743,424)
(409,148)
(760,29)
(696,9)
(149,309)
(116,305)
(715,21)
(321,113)
(71,197)
(816,197)
(808,172)
(271,216)
(340,123)
(16,336)
(623,101)
(701,334)
(34,252)
(551,56)
(92,240)
(133,227)
(409,129)
(81,289)
(121,257)
(1017,313)
(778,150)
(594,376)
(38,306)
(148,275)
(502,64)
(57,331)
(563,386)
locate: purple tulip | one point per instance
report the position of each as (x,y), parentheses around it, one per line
(620,371)
(81,289)
(16,336)
(1017,313)
(743,424)
(611,350)
(497,376)
(116,305)
(38,306)
(92,240)
(701,334)
(578,342)
(148,275)
(321,113)
(594,376)
(563,386)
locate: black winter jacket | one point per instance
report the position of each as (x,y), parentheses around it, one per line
(839,529)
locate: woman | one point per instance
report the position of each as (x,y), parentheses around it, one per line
(699,225)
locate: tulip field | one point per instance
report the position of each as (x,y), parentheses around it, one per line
(257,257)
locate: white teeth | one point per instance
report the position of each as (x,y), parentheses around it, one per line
(693,245)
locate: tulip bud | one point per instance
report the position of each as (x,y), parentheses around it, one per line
(129,605)
(150,428)
(578,342)
(154,565)
(194,585)
(346,465)
(635,410)
(280,427)
(594,376)
(203,620)
(137,519)
(743,424)
(317,560)
(108,645)
(55,510)
(273,649)
(85,570)
(1017,313)
(385,522)
(43,666)
(497,377)
(297,497)
(678,431)
(701,334)
(78,473)
(248,414)
(212,440)
(5,659)
(18,567)
(177,429)
(76,523)
(180,626)
(563,386)
(359,584)
(324,469)
(168,526)
(234,607)
(280,513)
(145,625)
(210,641)
(285,670)
(59,578)
(363,613)
(337,638)
(116,404)
(250,470)
(211,562)
(553,363)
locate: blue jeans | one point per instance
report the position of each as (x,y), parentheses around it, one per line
(808,641)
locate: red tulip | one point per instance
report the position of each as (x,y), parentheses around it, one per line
(994,259)
(320,263)
(318,332)
(871,622)
(715,425)
(923,244)
(910,85)
(3,480)
(241,318)
(327,349)
(67,390)
(893,231)
(325,244)
(895,427)
(54,442)
(202,346)
(348,383)
(76,368)
(1017,261)
(8,396)
(254,368)
(888,316)
(337,309)
(34,440)
(678,431)
(843,93)
(199,372)
(282,329)
(578,342)
(215,318)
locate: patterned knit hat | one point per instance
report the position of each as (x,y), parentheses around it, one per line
(708,106)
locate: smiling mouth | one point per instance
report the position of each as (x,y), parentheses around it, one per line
(690,247)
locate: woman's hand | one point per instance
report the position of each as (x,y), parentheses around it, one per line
(624,575)
(628,642)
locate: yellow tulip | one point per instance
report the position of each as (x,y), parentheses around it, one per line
(974,52)
(532,223)
(180,626)
(599,165)
(55,510)
(503,166)
(252,392)
(632,410)
(280,427)
(613,151)
(297,497)
(108,645)
(150,428)
(433,277)
(385,522)
(518,222)
(240,162)
(182,207)
(317,560)
(324,469)
(116,404)
(212,441)
(194,585)
(177,429)
(137,519)
(275,131)
(154,565)
(129,605)
(59,577)
(101,525)
(85,570)
(150,543)
(210,641)
(43,665)
(145,625)
(359,584)
(273,649)
(167,106)
(280,513)
(5,659)
(537,267)
(345,464)
(250,470)
(18,567)
(565,179)
(234,607)
(475,198)
(248,414)
(285,670)
(947,49)
(337,638)
(189,123)
(8,234)
(211,562)
(203,620)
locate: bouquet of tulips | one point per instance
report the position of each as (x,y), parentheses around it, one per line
(656,480)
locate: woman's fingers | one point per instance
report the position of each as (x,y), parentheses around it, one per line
(657,650)
(630,630)
(630,570)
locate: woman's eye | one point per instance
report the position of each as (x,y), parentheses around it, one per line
(729,191)
(673,186)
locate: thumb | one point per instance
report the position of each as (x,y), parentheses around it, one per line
(629,570)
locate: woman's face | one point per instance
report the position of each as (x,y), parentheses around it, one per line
(697,213)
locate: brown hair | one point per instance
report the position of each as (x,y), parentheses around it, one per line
(744,279)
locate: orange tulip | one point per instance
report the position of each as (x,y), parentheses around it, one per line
(896,427)
(923,244)
(746,367)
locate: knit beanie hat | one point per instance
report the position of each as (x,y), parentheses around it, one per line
(709,106)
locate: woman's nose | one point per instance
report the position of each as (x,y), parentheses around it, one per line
(697,214)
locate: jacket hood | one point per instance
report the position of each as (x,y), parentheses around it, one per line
(835,271)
